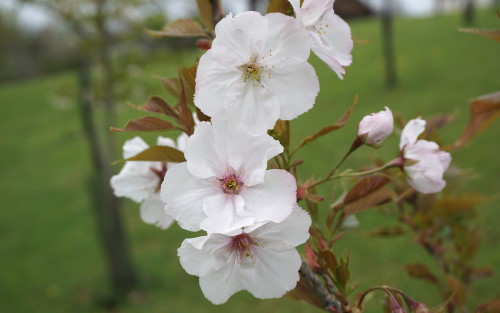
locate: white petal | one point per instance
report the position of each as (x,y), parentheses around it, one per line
(222,284)
(165,141)
(217,86)
(312,11)
(322,52)
(246,153)
(184,195)
(258,108)
(204,255)
(133,147)
(285,38)
(411,132)
(181,141)
(295,84)
(153,212)
(335,43)
(222,214)
(238,39)
(272,200)
(135,181)
(274,273)
(294,230)
(205,153)
(426,176)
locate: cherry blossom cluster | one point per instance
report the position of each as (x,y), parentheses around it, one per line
(255,73)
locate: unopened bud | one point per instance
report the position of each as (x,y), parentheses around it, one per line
(204,44)
(374,128)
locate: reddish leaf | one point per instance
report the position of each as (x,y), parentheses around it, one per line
(179,28)
(458,291)
(418,270)
(366,194)
(188,76)
(145,124)
(159,153)
(488,33)
(479,272)
(206,13)
(328,129)
(185,116)
(156,104)
(365,187)
(201,116)
(388,231)
(172,85)
(492,306)
(484,111)
(371,200)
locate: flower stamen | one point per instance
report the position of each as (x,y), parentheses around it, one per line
(231,183)
(253,70)
(244,247)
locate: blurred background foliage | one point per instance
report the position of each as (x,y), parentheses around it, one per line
(51,260)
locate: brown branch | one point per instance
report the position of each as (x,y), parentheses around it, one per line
(329,302)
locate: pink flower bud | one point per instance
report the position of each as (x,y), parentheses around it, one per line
(374,128)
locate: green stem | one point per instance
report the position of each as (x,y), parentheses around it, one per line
(355,145)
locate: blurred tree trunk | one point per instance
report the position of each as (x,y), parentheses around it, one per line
(252,4)
(388,46)
(105,204)
(105,60)
(469,12)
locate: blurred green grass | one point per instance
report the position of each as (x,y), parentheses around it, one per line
(50,258)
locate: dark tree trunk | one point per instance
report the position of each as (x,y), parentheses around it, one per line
(388,47)
(469,12)
(105,204)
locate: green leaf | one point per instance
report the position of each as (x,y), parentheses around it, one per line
(281,132)
(328,129)
(278,6)
(146,124)
(160,154)
(180,28)
(342,274)
(206,13)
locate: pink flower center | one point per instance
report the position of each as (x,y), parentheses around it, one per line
(244,247)
(231,184)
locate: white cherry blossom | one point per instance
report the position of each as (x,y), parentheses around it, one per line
(261,258)
(224,185)
(329,34)
(257,71)
(425,164)
(376,127)
(141,181)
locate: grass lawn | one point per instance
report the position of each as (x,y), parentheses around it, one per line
(50,259)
